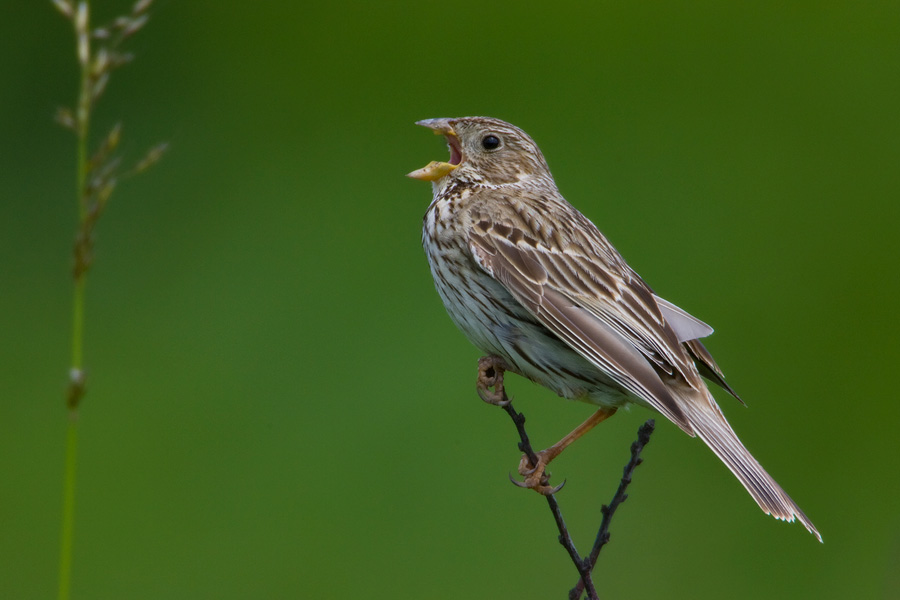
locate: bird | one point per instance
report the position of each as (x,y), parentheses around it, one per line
(532,282)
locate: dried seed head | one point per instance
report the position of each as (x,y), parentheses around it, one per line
(103,195)
(110,142)
(101,62)
(81,30)
(99,86)
(65,118)
(84,49)
(81,17)
(153,156)
(134,25)
(117,59)
(112,139)
(141,6)
(65,7)
(106,173)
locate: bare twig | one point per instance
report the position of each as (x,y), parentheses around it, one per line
(644,433)
(490,375)
(584,570)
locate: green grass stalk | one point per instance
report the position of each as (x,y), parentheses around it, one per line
(96,177)
(68,520)
(81,24)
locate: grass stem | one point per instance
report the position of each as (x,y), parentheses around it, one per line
(68,522)
(81,24)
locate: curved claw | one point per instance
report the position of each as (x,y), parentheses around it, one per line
(543,489)
(553,490)
(518,483)
(495,398)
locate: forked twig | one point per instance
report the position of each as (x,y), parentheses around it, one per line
(490,375)
(644,433)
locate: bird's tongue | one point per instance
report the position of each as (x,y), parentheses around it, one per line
(455,154)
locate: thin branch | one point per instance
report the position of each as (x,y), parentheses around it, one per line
(490,375)
(584,570)
(644,433)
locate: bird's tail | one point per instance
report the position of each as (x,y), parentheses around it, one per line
(710,425)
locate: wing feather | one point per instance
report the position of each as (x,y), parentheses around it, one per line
(686,326)
(599,341)
(598,306)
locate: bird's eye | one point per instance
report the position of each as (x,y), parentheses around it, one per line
(490,142)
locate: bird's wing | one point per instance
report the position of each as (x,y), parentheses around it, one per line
(686,326)
(689,329)
(593,302)
(586,295)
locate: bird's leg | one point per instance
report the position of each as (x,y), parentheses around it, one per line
(490,375)
(535,476)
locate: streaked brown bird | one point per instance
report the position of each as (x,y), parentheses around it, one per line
(529,279)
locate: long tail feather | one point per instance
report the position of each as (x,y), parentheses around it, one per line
(710,425)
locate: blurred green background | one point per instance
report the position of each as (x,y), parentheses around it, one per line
(278,406)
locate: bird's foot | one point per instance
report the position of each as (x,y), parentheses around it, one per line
(537,477)
(490,375)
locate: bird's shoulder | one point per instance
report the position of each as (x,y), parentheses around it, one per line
(540,221)
(534,239)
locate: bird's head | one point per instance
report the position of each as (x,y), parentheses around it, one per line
(483,150)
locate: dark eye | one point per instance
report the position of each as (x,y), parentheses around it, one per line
(490,142)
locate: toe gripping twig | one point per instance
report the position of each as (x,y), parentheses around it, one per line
(490,375)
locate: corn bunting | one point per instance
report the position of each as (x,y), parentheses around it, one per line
(532,282)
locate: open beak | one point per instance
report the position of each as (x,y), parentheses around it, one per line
(435,170)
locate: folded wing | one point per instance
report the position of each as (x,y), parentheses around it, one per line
(589,298)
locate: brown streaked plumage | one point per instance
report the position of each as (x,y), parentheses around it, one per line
(528,278)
